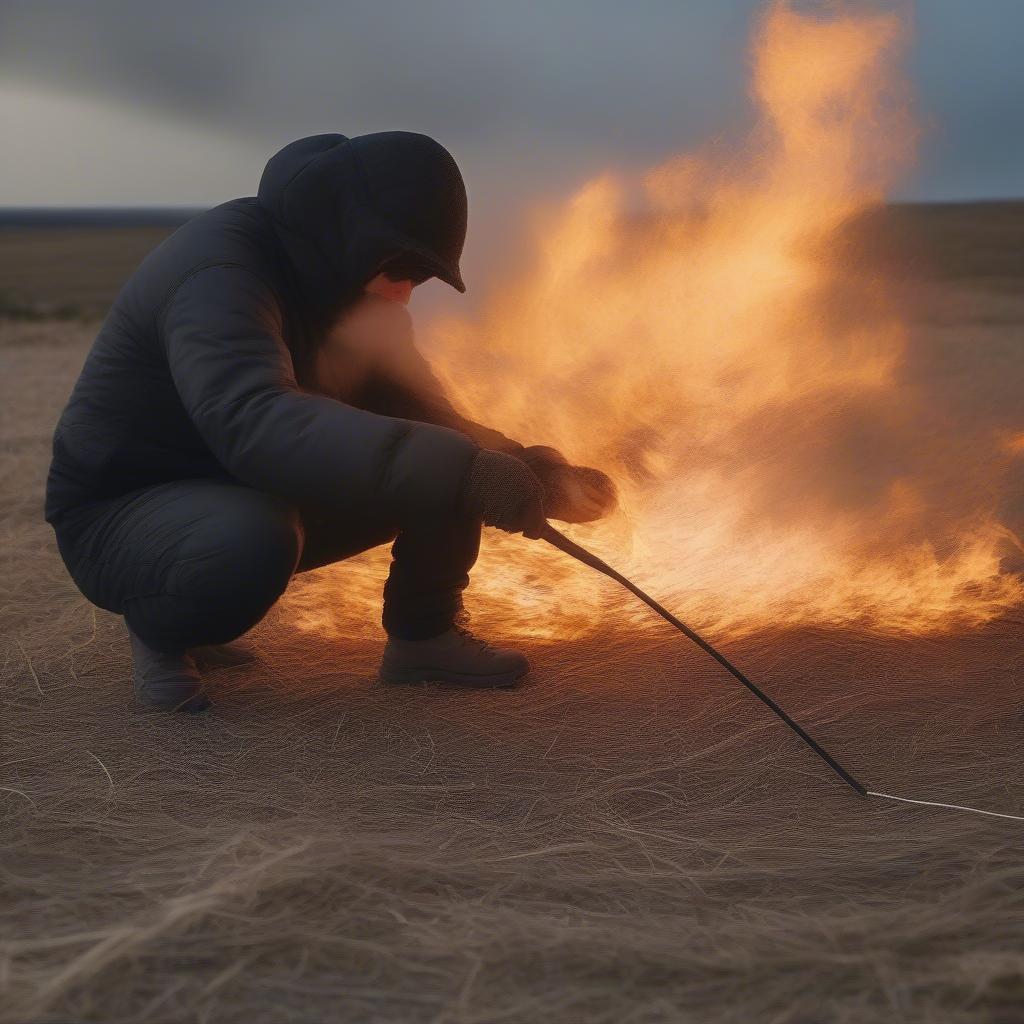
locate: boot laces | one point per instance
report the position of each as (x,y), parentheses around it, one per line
(471,639)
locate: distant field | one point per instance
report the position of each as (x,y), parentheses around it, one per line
(71,271)
(977,243)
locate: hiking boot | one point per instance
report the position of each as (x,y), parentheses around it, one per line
(167,681)
(455,657)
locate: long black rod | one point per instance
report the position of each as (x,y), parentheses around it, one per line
(560,541)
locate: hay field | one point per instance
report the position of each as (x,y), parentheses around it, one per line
(627,838)
(69,272)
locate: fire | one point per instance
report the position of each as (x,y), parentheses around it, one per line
(688,333)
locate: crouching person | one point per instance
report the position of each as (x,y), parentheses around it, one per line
(225,433)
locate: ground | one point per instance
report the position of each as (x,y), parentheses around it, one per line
(627,838)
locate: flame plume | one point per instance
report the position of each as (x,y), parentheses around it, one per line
(691,333)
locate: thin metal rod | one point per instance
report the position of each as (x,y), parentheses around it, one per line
(560,541)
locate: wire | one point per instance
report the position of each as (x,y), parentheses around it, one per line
(952,807)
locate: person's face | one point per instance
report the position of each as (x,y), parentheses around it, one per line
(383,287)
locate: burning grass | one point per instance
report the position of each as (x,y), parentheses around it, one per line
(629,838)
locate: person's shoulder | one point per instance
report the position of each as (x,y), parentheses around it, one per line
(238,214)
(236,234)
(237,231)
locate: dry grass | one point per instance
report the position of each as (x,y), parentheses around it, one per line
(627,839)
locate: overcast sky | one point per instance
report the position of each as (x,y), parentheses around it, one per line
(182,102)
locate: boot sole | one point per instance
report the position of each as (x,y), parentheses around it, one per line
(414,676)
(215,659)
(189,704)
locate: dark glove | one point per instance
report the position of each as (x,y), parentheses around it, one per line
(574,494)
(504,492)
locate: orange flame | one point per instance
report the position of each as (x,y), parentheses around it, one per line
(688,333)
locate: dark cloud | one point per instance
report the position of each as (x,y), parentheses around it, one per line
(655,77)
(528,80)
(966,64)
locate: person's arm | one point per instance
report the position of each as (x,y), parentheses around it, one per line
(404,383)
(224,345)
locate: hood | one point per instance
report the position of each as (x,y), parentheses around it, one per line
(344,207)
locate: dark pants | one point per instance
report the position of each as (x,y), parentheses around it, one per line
(200,561)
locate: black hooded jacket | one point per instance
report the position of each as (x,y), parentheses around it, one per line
(196,370)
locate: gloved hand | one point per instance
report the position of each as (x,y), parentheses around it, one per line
(503,491)
(574,494)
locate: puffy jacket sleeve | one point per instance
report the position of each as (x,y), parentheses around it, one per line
(223,338)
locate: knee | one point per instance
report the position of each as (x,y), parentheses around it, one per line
(261,536)
(247,553)
(228,574)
